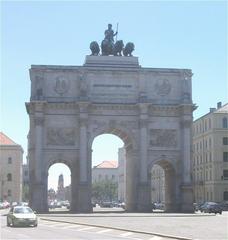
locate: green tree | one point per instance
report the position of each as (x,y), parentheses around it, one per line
(105,190)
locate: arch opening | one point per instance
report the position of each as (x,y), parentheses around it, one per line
(59,187)
(163,186)
(108,177)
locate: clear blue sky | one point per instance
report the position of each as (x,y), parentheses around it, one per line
(172,34)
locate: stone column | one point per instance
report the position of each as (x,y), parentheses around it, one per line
(131,179)
(74,206)
(186,186)
(144,191)
(84,161)
(38,187)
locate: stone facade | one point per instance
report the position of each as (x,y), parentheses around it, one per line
(11,158)
(107,170)
(71,105)
(210,159)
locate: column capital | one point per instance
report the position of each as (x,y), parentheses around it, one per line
(39,121)
(143,123)
(186,123)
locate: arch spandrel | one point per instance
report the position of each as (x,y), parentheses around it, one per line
(118,128)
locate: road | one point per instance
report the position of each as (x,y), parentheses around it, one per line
(66,231)
(115,225)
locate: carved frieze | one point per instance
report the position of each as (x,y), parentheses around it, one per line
(162,87)
(163,138)
(61,136)
(62,85)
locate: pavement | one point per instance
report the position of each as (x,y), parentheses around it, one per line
(196,226)
(177,226)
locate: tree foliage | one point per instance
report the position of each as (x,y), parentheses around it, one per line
(105,190)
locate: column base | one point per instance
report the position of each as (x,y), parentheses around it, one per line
(187,198)
(144,198)
(38,201)
(84,200)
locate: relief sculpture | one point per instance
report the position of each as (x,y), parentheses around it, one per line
(163,138)
(61,136)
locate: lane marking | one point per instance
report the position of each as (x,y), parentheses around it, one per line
(87,228)
(105,230)
(71,226)
(156,238)
(126,234)
(58,225)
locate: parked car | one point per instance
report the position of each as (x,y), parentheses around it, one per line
(224,206)
(21,216)
(106,204)
(211,207)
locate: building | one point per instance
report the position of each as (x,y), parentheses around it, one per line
(210,157)
(11,159)
(25,170)
(60,195)
(157,184)
(107,170)
(149,109)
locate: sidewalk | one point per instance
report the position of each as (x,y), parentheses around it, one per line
(191,226)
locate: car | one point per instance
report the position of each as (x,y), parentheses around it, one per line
(21,216)
(211,207)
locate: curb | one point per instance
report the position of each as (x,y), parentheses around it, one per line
(121,229)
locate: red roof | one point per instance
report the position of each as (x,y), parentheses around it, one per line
(4,140)
(108,164)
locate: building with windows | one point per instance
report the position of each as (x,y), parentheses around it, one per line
(210,155)
(157,184)
(107,170)
(11,159)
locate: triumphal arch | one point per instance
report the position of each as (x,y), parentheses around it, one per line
(150,109)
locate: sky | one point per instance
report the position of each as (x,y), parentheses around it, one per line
(166,34)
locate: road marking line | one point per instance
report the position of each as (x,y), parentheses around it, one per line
(104,231)
(126,234)
(87,228)
(71,226)
(156,238)
(57,225)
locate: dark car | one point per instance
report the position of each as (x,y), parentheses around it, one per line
(211,207)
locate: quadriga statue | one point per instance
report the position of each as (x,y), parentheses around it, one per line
(95,49)
(129,48)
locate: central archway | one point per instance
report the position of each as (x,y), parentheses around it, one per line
(129,165)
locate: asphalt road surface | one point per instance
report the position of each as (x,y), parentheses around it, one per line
(66,231)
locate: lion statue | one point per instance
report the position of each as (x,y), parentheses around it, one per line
(118,47)
(129,48)
(95,49)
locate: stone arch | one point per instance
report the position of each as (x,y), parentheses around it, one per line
(170,182)
(124,134)
(131,161)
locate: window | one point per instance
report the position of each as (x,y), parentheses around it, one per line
(99,177)
(224,122)
(9,160)
(9,193)
(225,156)
(113,177)
(26,173)
(106,177)
(225,174)
(225,141)
(209,123)
(9,177)
(225,196)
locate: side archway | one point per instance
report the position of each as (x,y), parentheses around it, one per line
(164,183)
